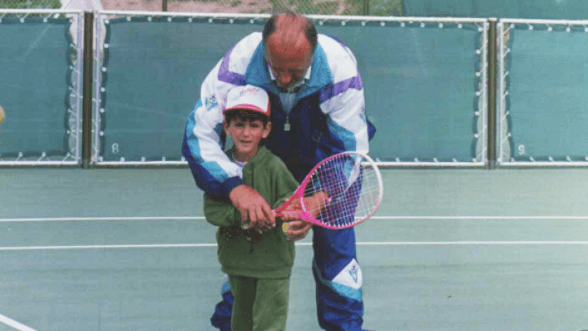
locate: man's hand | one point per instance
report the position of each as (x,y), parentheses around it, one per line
(297,228)
(315,203)
(253,208)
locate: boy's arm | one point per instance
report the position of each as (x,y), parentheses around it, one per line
(221,212)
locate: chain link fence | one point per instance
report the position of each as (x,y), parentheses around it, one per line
(319,7)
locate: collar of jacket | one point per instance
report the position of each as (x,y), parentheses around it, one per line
(320,76)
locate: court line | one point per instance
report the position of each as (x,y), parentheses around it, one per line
(201,218)
(104,219)
(391,243)
(480,217)
(14,324)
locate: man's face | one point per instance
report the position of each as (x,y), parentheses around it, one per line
(288,64)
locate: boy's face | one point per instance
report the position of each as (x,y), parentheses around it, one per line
(247,135)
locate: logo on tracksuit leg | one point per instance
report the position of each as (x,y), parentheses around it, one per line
(354,272)
(350,276)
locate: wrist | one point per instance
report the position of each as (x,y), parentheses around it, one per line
(229,185)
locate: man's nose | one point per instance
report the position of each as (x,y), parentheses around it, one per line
(285,79)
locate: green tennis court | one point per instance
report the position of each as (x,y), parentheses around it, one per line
(461,249)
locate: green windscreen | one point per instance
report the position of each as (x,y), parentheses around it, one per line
(153,70)
(421,84)
(529,9)
(546,94)
(35,89)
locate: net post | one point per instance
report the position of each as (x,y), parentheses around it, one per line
(87,90)
(366,7)
(492,86)
(164,5)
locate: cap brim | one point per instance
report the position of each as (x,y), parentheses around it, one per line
(246,107)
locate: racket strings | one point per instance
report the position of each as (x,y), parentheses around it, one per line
(353,191)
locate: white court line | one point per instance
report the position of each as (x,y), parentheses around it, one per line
(480,217)
(39,248)
(390,243)
(103,219)
(201,218)
(14,324)
(473,243)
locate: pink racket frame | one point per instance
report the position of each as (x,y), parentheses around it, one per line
(299,194)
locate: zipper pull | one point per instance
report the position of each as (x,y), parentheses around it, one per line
(287,126)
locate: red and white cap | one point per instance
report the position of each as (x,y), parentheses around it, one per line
(248,97)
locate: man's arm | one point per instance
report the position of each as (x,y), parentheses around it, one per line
(213,172)
(344,104)
(344,101)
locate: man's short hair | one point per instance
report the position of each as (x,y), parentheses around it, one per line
(309,29)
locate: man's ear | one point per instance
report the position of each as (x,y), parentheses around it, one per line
(266,130)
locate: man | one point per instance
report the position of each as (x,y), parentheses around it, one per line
(317,98)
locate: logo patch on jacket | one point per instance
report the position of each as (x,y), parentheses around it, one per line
(210,103)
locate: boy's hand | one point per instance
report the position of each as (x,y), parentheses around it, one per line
(253,208)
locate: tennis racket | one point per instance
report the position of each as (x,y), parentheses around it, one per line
(342,191)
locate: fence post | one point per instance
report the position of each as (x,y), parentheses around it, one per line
(492,87)
(87,90)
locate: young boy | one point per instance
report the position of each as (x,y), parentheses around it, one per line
(258,263)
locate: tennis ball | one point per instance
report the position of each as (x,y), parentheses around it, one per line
(2,114)
(285,227)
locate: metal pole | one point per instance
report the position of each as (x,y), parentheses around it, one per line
(164,5)
(492,88)
(87,90)
(366,7)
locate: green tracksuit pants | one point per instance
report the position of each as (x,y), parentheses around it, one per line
(259,304)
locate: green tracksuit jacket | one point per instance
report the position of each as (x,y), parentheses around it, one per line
(244,252)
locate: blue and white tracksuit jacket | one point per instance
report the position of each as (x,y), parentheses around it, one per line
(328,117)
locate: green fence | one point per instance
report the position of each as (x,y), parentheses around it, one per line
(426,82)
(424,107)
(40,89)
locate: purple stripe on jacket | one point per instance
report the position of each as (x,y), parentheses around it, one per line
(224,75)
(331,91)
